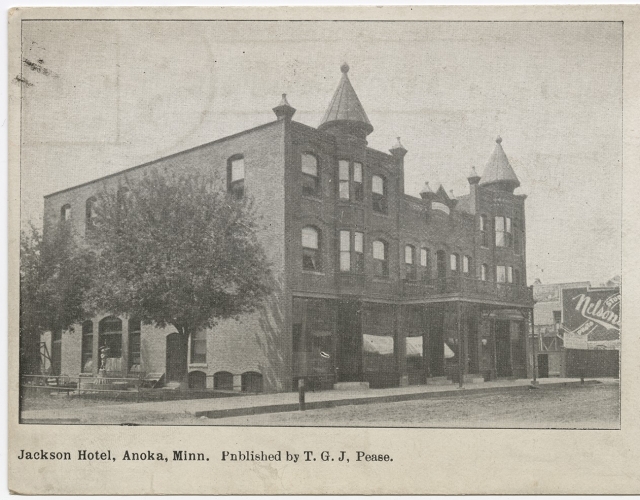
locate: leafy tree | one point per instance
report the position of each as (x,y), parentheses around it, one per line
(176,250)
(54,277)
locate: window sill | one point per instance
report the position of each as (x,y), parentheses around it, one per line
(198,365)
(315,273)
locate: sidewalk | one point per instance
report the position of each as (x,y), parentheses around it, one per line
(161,411)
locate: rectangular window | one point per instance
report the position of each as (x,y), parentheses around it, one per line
(345,251)
(500,233)
(199,347)
(236,177)
(310,178)
(379,194)
(409,262)
(509,274)
(507,232)
(423,257)
(358,191)
(557,317)
(484,235)
(483,272)
(501,274)
(358,247)
(454,262)
(343,174)
(465,264)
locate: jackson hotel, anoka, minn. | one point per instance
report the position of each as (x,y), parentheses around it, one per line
(375,287)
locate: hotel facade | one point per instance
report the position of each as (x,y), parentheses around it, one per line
(374,286)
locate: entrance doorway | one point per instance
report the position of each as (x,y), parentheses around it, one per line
(349,348)
(543,366)
(503,349)
(176,362)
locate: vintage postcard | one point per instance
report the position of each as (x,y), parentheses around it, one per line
(323,250)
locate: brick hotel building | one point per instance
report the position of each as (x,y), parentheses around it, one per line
(374,286)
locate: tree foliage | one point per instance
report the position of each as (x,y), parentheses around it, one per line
(55,274)
(177,250)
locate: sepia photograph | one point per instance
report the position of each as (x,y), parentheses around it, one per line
(349,223)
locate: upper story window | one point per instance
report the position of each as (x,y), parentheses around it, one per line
(199,347)
(350,180)
(504,274)
(380,258)
(90,213)
(379,194)
(517,236)
(424,263)
(484,231)
(65,213)
(557,317)
(235,176)
(351,259)
(410,262)
(466,264)
(310,176)
(454,262)
(345,251)
(501,274)
(503,231)
(484,272)
(311,249)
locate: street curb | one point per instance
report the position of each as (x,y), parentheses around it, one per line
(390,398)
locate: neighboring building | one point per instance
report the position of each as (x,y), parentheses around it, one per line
(569,343)
(375,285)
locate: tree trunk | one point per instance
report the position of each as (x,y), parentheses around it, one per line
(184,346)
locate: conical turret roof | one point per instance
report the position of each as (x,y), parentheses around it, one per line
(498,170)
(345,107)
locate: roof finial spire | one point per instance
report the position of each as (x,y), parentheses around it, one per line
(499,140)
(344,68)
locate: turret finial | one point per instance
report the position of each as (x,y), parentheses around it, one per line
(499,139)
(344,68)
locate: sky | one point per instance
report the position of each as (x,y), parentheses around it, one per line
(111,95)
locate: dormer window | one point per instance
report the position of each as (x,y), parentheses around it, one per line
(235,176)
(379,194)
(310,177)
(65,213)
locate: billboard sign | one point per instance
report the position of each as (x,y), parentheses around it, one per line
(591,318)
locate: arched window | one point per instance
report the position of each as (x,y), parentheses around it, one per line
(86,363)
(197,380)
(65,213)
(466,264)
(90,213)
(235,176)
(503,231)
(135,346)
(425,263)
(110,342)
(199,347)
(251,382)
(310,175)
(311,249)
(380,258)
(484,272)
(379,194)
(223,381)
(484,235)
(454,261)
(410,262)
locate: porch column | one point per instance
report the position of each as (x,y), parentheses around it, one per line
(400,347)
